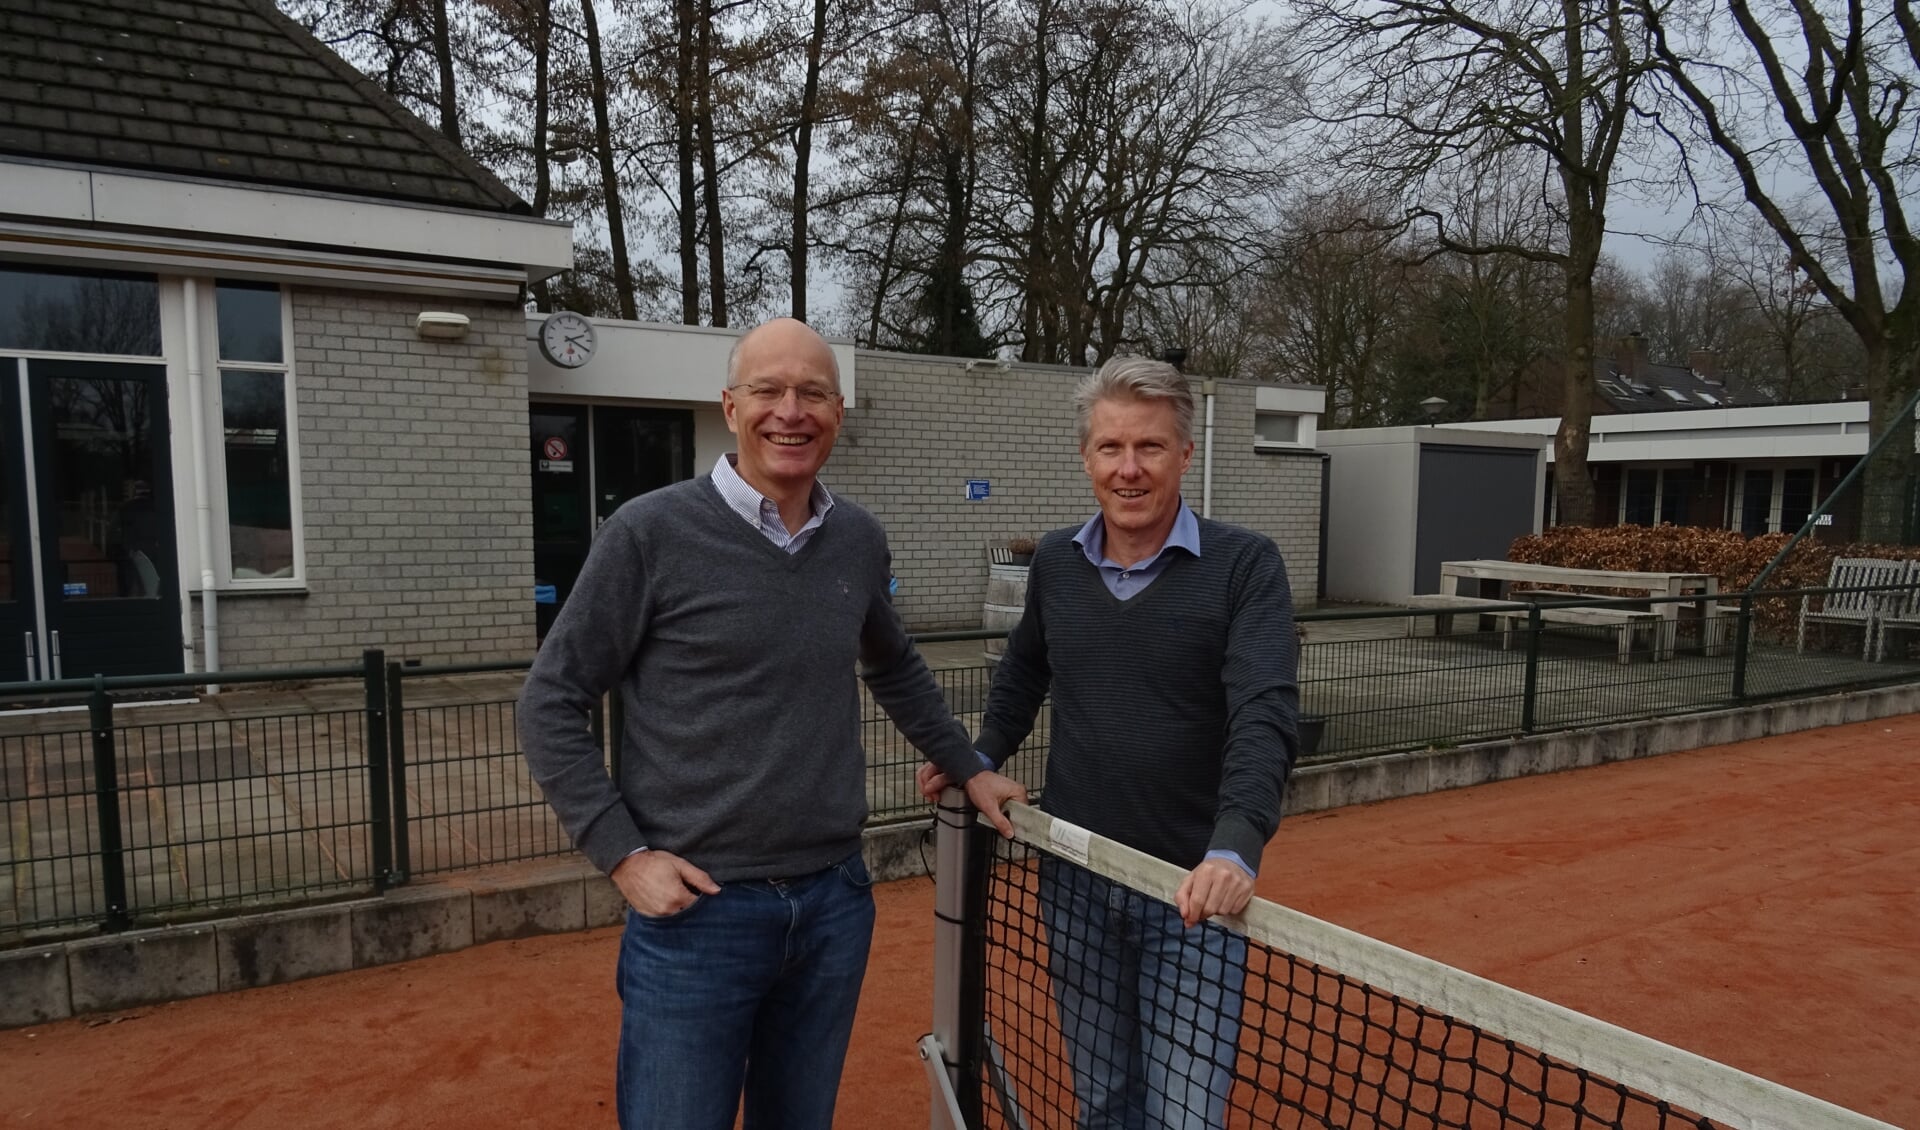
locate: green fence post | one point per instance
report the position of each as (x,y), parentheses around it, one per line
(1742,637)
(106,792)
(379,813)
(397,758)
(1529,710)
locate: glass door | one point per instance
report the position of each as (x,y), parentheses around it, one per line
(637,450)
(103,482)
(19,619)
(562,490)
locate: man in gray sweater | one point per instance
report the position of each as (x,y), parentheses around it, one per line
(730,613)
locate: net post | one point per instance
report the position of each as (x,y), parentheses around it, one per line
(956,952)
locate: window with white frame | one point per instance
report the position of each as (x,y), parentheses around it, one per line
(259,449)
(1276,427)
(1775,501)
(1652,495)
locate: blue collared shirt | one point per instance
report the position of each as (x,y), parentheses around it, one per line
(1126,581)
(761,512)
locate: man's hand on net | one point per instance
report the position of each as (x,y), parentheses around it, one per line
(990,792)
(931,780)
(1217,886)
(658,883)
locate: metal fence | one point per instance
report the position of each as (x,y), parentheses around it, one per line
(341,781)
(121,811)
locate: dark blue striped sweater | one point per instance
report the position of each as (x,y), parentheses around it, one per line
(1174,713)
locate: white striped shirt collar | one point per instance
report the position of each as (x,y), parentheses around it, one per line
(761,512)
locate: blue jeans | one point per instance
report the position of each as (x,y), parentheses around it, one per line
(751,989)
(1149,1009)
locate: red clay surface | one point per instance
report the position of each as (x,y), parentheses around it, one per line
(1756,903)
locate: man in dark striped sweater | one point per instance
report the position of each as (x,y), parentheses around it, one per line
(1167,643)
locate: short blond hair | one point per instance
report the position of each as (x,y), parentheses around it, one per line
(1135,378)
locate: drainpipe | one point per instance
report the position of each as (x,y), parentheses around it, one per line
(202,505)
(1206,463)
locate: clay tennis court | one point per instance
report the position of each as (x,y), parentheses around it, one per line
(1756,903)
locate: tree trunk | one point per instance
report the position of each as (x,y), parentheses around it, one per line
(542,105)
(710,170)
(895,224)
(443,58)
(609,177)
(1888,511)
(1572,482)
(542,111)
(683,153)
(802,154)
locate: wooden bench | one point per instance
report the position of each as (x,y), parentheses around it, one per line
(1900,610)
(1445,604)
(1626,622)
(1853,609)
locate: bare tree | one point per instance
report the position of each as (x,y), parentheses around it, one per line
(1427,85)
(1130,144)
(1332,305)
(603,150)
(1835,82)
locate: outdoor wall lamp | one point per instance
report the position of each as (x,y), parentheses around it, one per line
(440,325)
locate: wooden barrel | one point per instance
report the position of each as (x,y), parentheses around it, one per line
(1006,600)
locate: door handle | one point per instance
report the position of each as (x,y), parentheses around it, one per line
(53,650)
(33,661)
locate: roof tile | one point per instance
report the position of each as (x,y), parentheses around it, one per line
(223,88)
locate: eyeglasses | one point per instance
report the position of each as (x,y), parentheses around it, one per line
(811,395)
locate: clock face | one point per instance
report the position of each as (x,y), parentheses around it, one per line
(567,339)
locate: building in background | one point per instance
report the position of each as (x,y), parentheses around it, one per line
(955,456)
(1403,500)
(262,354)
(1757,470)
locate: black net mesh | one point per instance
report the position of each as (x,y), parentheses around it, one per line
(1101,1010)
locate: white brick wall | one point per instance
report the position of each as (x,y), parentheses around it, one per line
(923,426)
(415,494)
(415,488)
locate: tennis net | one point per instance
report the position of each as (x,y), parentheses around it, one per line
(1067,994)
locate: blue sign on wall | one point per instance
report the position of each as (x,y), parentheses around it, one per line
(978,489)
(546,594)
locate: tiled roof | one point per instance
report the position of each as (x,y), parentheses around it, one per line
(225,89)
(1654,387)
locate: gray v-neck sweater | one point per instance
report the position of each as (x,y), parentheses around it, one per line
(736,662)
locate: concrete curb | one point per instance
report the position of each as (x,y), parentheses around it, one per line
(52,982)
(1365,780)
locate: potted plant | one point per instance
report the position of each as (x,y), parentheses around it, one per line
(1021,550)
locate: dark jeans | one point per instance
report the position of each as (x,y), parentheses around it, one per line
(751,989)
(1149,1009)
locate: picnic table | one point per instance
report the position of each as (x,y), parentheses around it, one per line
(1521,574)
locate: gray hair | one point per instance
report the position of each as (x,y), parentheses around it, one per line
(1135,378)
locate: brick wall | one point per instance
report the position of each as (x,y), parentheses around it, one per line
(923,426)
(415,496)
